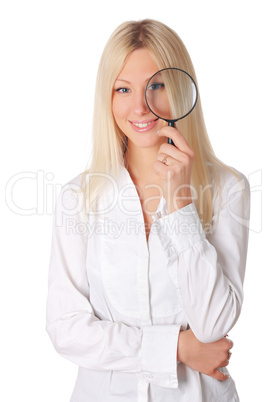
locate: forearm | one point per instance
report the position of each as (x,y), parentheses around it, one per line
(100,344)
(150,351)
(208,271)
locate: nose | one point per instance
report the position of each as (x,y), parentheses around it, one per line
(140,106)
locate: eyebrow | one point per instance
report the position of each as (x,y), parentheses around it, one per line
(119,79)
(128,82)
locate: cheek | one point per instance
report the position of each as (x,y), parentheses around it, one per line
(120,109)
(160,107)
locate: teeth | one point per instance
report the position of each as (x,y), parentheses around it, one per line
(142,125)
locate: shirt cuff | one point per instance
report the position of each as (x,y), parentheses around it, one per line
(159,355)
(179,230)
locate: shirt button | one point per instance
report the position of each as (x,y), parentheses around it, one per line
(148,377)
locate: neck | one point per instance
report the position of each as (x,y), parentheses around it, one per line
(139,163)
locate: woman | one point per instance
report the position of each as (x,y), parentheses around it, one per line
(149,244)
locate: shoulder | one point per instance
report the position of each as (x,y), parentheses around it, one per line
(231,192)
(75,186)
(70,198)
(227,180)
(76,183)
(230,200)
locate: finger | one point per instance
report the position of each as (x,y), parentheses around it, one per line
(164,166)
(174,152)
(163,171)
(225,363)
(166,159)
(218,375)
(177,137)
(230,343)
(160,169)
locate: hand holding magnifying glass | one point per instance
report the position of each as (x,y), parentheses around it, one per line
(171,94)
(171,84)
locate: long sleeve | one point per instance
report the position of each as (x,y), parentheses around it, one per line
(76,332)
(208,271)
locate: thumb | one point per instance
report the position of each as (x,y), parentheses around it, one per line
(218,375)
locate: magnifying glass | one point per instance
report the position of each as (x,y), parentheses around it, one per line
(171,95)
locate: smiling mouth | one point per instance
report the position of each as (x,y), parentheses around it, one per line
(143,125)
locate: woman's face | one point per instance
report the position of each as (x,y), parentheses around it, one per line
(128,104)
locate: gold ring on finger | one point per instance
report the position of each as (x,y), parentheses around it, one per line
(164,160)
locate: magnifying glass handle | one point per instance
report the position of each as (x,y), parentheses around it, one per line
(171,124)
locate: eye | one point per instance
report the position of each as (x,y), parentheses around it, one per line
(156,86)
(122,90)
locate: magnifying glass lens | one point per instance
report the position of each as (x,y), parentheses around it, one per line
(171,94)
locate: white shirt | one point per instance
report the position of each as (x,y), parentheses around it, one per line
(116,303)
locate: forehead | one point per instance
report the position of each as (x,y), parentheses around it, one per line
(139,63)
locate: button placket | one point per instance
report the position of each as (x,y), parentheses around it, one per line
(143,281)
(143,391)
(144,303)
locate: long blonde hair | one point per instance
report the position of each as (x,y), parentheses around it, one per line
(109,142)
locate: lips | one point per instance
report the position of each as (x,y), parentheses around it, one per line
(143,125)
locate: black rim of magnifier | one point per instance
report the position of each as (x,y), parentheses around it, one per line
(179,118)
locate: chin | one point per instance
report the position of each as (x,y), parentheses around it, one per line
(145,141)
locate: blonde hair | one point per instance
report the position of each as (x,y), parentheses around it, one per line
(109,142)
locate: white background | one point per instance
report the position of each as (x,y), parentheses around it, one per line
(50,51)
